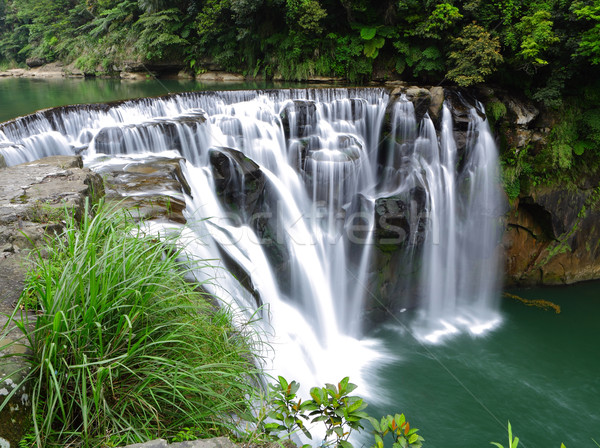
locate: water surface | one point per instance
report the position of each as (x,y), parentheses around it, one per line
(22,96)
(540,370)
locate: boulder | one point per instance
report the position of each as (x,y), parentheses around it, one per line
(35,62)
(437,101)
(239,182)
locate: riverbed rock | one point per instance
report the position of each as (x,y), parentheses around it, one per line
(35,62)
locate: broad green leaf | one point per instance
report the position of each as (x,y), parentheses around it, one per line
(374,423)
(368,33)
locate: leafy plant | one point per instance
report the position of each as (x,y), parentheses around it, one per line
(338,410)
(403,435)
(286,411)
(373,42)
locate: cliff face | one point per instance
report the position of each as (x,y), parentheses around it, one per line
(552,237)
(552,232)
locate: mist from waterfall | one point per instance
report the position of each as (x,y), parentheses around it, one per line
(323,162)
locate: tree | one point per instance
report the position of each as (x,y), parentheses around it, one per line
(475,55)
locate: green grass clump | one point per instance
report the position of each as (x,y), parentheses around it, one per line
(123,348)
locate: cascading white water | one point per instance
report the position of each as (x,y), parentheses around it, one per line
(312,154)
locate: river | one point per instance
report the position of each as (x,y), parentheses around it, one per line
(539,369)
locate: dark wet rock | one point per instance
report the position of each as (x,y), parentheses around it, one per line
(302,116)
(401,219)
(239,182)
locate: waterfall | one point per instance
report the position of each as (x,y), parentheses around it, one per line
(303,191)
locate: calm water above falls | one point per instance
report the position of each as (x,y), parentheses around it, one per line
(538,369)
(22,96)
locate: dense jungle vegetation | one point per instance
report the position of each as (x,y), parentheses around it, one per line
(546,50)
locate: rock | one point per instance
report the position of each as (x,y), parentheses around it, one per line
(51,70)
(220,77)
(35,62)
(151,189)
(72,71)
(401,219)
(553,237)
(421,98)
(2,162)
(133,76)
(217,442)
(299,118)
(184,74)
(33,199)
(437,101)
(239,182)
(323,79)
(524,111)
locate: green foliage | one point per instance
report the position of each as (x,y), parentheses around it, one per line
(332,405)
(563,138)
(287,413)
(306,14)
(537,37)
(475,55)
(402,434)
(441,19)
(589,44)
(495,110)
(123,349)
(373,42)
(417,59)
(160,33)
(338,410)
